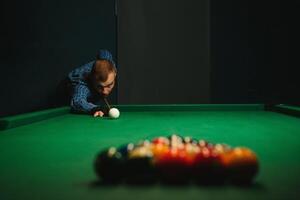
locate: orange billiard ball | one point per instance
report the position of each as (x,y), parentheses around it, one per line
(241,164)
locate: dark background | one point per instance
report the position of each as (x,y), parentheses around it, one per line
(209,51)
(41,41)
(251,51)
(164,51)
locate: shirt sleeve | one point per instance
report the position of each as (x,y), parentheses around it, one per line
(79,101)
(78,75)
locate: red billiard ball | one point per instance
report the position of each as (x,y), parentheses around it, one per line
(207,167)
(161,140)
(172,166)
(192,150)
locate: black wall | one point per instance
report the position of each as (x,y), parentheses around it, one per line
(41,41)
(237,47)
(247,57)
(163,51)
(250,51)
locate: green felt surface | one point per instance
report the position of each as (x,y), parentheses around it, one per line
(52,159)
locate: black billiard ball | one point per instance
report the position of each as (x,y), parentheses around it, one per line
(108,165)
(139,165)
(126,149)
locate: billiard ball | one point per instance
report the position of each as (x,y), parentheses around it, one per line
(203,143)
(176,142)
(140,166)
(221,148)
(175,139)
(192,150)
(141,151)
(114,113)
(171,166)
(108,165)
(241,164)
(158,150)
(189,140)
(161,140)
(207,167)
(125,149)
(143,143)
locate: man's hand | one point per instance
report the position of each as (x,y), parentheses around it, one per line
(98,114)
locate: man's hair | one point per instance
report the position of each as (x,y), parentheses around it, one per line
(101,69)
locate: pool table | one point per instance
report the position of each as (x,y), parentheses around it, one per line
(49,154)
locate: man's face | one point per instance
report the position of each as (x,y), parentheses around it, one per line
(104,88)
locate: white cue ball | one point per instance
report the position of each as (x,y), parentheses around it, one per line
(114,113)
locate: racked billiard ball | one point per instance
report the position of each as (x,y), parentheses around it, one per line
(172,166)
(241,164)
(139,166)
(158,150)
(125,149)
(143,143)
(161,140)
(207,168)
(108,165)
(190,140)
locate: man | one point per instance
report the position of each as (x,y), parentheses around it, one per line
(91,83)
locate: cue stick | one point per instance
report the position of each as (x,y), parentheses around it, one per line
(106,103)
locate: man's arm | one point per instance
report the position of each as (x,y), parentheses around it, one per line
(79,74)
(79,101)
